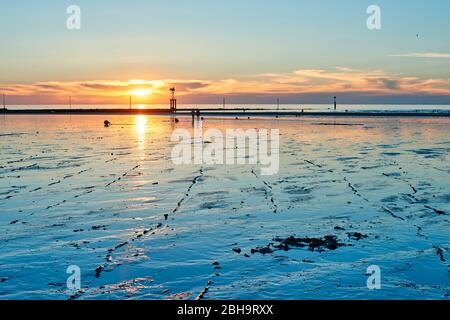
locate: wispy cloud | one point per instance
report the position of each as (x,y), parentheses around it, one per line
(430,55)
(324,81)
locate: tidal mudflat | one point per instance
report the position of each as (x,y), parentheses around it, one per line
(350,193)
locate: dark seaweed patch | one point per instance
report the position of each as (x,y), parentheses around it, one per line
(313,244)
(262,250)
(356,235)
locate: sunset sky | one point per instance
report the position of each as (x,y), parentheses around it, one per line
(251,51)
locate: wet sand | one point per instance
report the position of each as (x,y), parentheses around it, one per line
(351,192)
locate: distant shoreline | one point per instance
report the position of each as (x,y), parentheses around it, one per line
(229,112)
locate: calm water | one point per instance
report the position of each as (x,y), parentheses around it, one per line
(110,201)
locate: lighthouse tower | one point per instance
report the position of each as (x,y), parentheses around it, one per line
(173,101)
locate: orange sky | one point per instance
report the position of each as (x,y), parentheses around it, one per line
(339,81)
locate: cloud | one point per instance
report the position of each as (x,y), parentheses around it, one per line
(307,81)
(430,55)
(314,83)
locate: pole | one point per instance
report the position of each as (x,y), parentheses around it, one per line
(335,104)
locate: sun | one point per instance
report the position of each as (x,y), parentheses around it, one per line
(141,92)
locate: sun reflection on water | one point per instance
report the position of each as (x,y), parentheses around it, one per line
(141,130)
